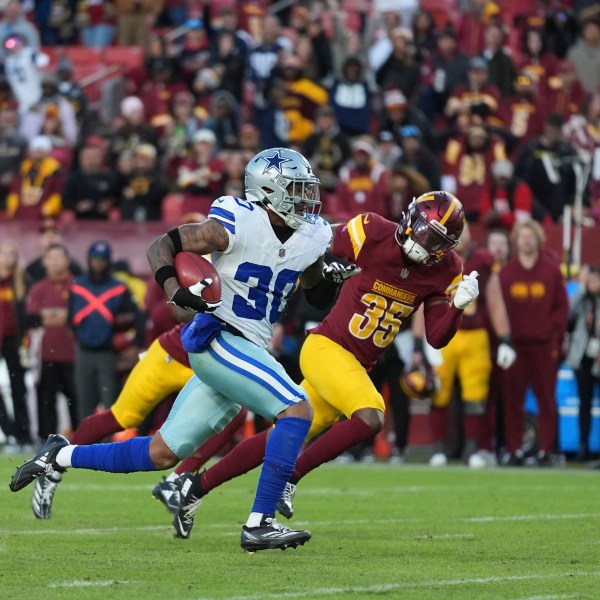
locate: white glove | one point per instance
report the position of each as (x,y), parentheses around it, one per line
(338,273)
(506,355)
(467,291)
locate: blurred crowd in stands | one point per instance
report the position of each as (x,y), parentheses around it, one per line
(497,102)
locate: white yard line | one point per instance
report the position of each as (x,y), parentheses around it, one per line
(555,597)
(493,519)
(80,584)
(430,583)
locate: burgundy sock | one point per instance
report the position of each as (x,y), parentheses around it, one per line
(207,450)
(247,455)
(473,426)
(331,444)
(438,421)
(95,428)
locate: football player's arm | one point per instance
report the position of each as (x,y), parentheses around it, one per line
(496,309)
(442,320)
(200,238)
(320,292)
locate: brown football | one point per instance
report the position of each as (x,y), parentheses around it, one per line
(192,268)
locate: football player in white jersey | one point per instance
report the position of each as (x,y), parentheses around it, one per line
(23,68)
(261,246)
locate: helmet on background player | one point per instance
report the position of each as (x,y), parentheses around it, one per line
(431,227)
(419,382)
(283,181)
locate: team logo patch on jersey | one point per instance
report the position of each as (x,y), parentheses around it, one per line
(404,273)
(393,292)
(281,252)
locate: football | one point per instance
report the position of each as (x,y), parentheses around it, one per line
(192,268)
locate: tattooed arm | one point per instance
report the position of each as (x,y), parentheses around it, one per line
(201,238)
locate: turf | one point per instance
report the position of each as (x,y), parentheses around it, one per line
(378,531)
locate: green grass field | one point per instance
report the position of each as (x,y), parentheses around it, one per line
(378,531)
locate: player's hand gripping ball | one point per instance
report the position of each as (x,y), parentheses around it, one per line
(201,285)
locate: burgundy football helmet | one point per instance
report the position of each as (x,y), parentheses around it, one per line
(431,227)
(419,382)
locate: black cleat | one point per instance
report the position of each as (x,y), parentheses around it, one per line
(189,502)
(285,506)
(270,535)
(167,492)
(40,464)
(514,459)
(43,494)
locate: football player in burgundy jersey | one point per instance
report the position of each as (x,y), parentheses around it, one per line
(397,267)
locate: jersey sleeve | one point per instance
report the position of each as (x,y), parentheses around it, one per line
(448,281)
(224,210)
(353,240)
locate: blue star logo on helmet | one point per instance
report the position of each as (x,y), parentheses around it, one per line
(275,162)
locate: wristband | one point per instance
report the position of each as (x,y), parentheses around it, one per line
(418,345)
(165,272)
(506,339)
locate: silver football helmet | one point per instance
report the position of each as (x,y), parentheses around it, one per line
(283,181)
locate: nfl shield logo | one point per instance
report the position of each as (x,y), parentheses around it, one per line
(404,273)
(281,252)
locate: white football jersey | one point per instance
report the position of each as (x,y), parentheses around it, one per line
(259,273)
(24,76)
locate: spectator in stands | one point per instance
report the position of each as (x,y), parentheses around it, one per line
(12,151)
(13,22)
(565,91)
(36,191)
(497,242)
(54,104)
(144,190)
(405,183)
(418,156)
(399,113)
(400,70)
(199,178)
(473,24)
(249,140)
(228,61)
(99,306)
(424,37)
(584,352)
(95,21)
(22,67)
(179,129)
(228,24)
(264,57)
(501,70)
(224,120)
(478,101)
(350,96)
(387,151)
(50,235)
(467,165)
(301,99)
(546,165)
(48,307)
(379,37)
(234,176)
(523,113)
(537,304)
(346,42)
(535,59)
(135,19)
(585,55)
(90,191)
(582,131)
(327,149)
(507,200)
(132,129)
(449,69)
(71,91)
(270,118)
(195,50)
(363,185)
(12,296)
(55,21)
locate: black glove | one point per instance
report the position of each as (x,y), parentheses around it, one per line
(191,298)
(338,273)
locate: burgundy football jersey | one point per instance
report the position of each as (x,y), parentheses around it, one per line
(171,344)
(373,306)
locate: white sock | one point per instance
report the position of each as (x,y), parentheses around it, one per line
(172,476)
(63,458)
(254,520)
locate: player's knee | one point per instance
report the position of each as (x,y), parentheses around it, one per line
(161,455)
(372,417)
(302,410)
